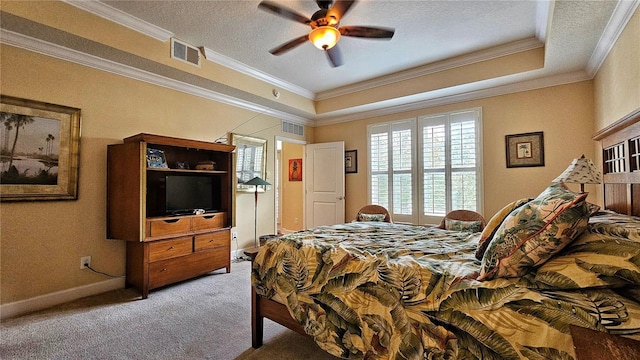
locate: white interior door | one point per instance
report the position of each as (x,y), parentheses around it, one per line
(324,184)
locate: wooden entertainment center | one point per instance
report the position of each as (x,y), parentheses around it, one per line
(165,247)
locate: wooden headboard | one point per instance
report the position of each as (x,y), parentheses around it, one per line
(620,146)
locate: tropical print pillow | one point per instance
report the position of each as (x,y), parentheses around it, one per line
(461,225)
(370,217)
(494,223)
(533,233)
(607,254)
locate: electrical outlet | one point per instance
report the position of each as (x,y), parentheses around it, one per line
(85,262)
(234,235)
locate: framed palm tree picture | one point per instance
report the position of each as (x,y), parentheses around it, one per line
(39,148)
(524,150)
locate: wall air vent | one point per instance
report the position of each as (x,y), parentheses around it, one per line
(185,52)
(292,128)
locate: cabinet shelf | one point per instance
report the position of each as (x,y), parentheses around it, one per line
(188,171)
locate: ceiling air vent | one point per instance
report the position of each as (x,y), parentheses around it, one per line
(292,128)
(185,52)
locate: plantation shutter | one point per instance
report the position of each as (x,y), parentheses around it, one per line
(391,168)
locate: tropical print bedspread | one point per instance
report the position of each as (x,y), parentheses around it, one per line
(373,290)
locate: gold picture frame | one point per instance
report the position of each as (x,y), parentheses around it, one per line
(40,145)
(525,150)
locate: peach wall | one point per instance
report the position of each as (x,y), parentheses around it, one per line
(75,21)
(292,191)
(43,241)
(617,83)
(563,113)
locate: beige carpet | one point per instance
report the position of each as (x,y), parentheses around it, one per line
(205,318)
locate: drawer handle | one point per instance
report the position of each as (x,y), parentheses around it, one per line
(212,240)
(209,217)
(171,221)
(163,270)
(170,248)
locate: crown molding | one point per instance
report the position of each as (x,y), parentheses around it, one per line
(255,73)
(110,13)
(120,17)
(60,52)
(544,11)
(479,56)
(621,15)
(517,86)
(42,47)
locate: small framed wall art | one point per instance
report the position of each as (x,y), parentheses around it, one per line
(525,150)
(295,169)
(351,161)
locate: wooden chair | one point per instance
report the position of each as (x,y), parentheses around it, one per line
(374,209)
(463,215)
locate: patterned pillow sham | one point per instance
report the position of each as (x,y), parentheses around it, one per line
(536,231)
(370,217)
(607,254)
(494,223)
(461,225)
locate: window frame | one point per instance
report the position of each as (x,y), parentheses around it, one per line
(418,215)
(399,125)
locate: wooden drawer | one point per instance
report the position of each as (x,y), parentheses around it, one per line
(209,221)
(212,240)
(168,271)
(160,227)
(167,249)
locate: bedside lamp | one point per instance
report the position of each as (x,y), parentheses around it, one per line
(257,181)
(581,171)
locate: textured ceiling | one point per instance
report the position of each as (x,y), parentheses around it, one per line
(426,32)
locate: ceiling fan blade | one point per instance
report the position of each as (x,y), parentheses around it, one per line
(335,56)
(289,45)
(339,8)
(283,12)
(366,32)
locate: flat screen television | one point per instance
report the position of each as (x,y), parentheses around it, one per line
(186,192)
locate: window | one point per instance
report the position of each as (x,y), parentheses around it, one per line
(391,164)
(420,170)
(250,159)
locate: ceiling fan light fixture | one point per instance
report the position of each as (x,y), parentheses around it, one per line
(324,37)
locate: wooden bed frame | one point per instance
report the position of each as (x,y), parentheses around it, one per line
(620,144)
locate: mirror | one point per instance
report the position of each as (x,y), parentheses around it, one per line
(251,160)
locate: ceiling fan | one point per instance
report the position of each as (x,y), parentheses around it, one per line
(325,32)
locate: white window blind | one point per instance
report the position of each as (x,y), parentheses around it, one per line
(379,155)
(391,167)
(248,165)
(434,167)
(438,152)
(450,165)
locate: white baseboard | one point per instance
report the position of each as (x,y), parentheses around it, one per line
(60,297)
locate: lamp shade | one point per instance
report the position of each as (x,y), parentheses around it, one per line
(257,181)
(324,37)
(581,171)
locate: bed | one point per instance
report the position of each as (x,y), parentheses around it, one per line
(376,290)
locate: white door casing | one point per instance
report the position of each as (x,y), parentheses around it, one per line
(324,184)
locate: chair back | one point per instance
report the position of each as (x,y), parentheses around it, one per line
(463,215)
(374,209)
